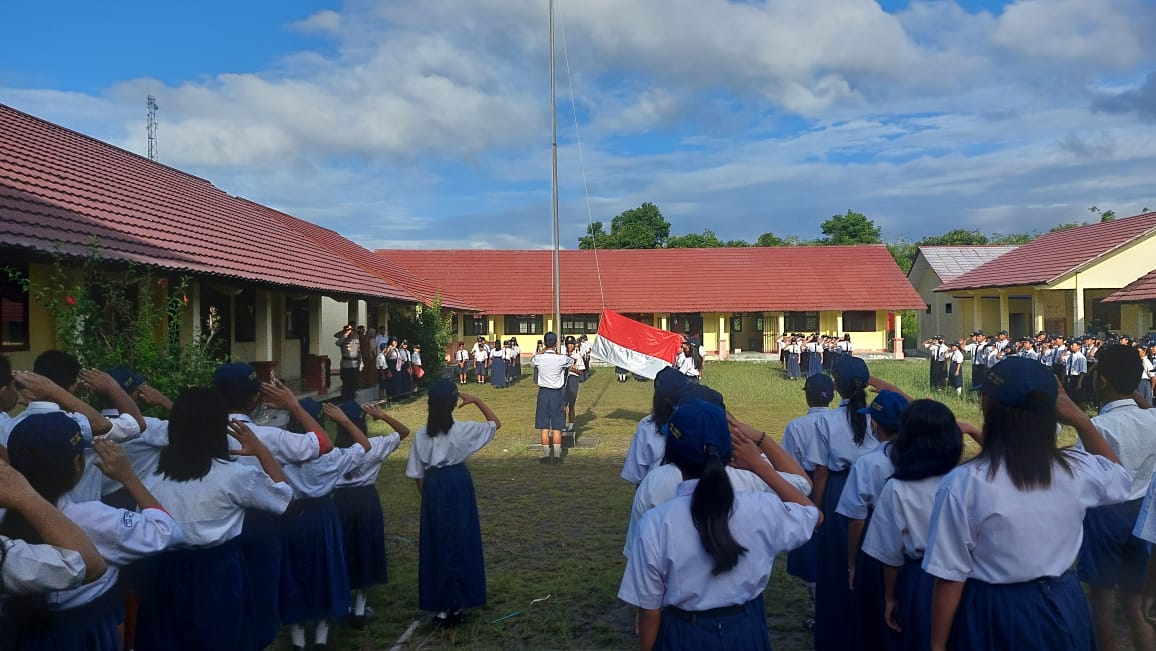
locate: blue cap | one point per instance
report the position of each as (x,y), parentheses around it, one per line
(693,427)
(311,407)
(1021,383)
(849,368)
(127,379)
(45,443)
(443,389)
(355,413)
(669,382)
(550,340)
(820,386)
(886,409)
(236,381)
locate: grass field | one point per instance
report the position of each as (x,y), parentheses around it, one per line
(558,531)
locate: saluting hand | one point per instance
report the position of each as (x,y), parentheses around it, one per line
(113,462)
(36,387)
(150,395)
(250,444)
(373,410)
(334,412)
(277,395)
(466,399)
(14,487)
(98,380)
(745,455)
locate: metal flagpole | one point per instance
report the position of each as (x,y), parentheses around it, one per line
(554,183)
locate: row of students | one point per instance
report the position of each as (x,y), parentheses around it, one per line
(500,363)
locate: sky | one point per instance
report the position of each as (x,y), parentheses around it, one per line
(426,124)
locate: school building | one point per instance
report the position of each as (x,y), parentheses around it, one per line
(733,299)
(1141,295)
(1061,283)
(934,265)
(270,287)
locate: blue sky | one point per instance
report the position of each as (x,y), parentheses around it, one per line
(426,124)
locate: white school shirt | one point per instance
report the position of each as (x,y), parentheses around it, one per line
(1131,431)
(1076,364)
(462,355)
(647,448)
(5,427)
(865,482)
(794,348)
(1146,371)
(211,510)
(448,449)
(956,357)
(318,477)
(987,529)
(814,347)
(124,426)
(579,362)
(661,485)
(551,368)
(286,447)
(142,452)
(46,407)
(902,521)
(365,474)
(415,358)
(480,352)
(120,537)
(1030,354)
(517,350)
(844,347)
(36,569)
(382,361)
(669,567)
(685,364)
(801,434)
(835,444)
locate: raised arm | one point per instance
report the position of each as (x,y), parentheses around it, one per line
(252,446)
(114,464)
(487,413)
(883,385)
(105,385)
(1069,413)
(378,413)
(747,457)
(279,396)
(150,395)
(779,458)
(338,416)
(38,387)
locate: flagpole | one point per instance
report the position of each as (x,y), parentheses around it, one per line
(554,183)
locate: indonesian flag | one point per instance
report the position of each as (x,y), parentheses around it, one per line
(634,346)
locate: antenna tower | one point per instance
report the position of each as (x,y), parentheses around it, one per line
(152,127)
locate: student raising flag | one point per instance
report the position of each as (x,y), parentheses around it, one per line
(634,346)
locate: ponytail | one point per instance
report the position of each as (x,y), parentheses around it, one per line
(710,508)
(856,400)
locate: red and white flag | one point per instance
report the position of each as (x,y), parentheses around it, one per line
(635,346)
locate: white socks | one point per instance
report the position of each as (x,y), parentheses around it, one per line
(321,636)
(359,599)
(297,635)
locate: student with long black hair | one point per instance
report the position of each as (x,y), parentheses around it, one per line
(450,527)
(928,446)
(844,435)
(48,450)
(1007,525)
(207,491)
(710,595)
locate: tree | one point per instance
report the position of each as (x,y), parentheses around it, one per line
(736,244)
(1105,215)
(957,237)
(1011,238)
(770,239)
(704,240)
(643,227)
(851,228)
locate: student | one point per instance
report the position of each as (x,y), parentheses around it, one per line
(451,568)
(498,366)
(955,368)
(209,494)
(550,368)
(516,357)
(48,450)
(383,372)
(1147,373)
(1113,562)
(814,357)
(794,371)
(359,506)
(418,372)
(1075,369)
(1007,525)
(861,493)
(622,374)
(928,446)
(57,556)
(709,595)
(844,436)
(689,362)
(798,437)
(648,445)
(481,354)
(462,357)
(314,582)
(978,349)
(574,376)
(9,397)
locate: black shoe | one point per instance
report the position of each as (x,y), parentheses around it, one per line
(320,646)
(545,461)
(557,460)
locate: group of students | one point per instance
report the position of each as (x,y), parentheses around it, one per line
(397,368)
(500,364)
(801,356)
(901,545)
(206,530)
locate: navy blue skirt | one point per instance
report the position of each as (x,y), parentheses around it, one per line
(313,581)
(870,599)
(835,613)
(815,364)
(803,562)
(262,544)
(498,372)
(91,627)
(913,592)
(1111,557)
(793,369)
(451,567)
(1044,614)
(723,629)
(363,535)
(197,599)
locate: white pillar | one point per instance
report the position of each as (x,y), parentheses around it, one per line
(1004,315)
(976,311)
(317,336)
(1037,311)
(839,322)
(1078,308)
(897,341)
(724,336)
(264,308)
(663,324)
(781,327)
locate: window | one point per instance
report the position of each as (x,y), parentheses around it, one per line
(802,321)
(579,324)
(685,324)
(13,314)
(523,324)
(947,308)
(1105,316)
(296,318)
(928,306)
(736,323)
(759,323)
(454,323)
(245,315)
(475,325)
(859,321)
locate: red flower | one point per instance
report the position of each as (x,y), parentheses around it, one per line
(185,299)
(70,300)
(161,282)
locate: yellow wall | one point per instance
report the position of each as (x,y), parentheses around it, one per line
(1116,270)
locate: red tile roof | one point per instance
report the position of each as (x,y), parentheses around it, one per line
(64,191)
(670,280)
(1048,258)
(1141,290)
